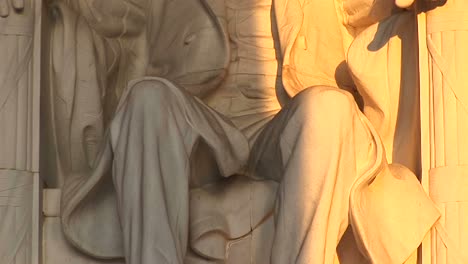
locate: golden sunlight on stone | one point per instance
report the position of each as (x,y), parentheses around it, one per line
(233,131)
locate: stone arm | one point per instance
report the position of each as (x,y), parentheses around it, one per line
(363,13)
(404,3)
(104,41)
(111,19)
(409,3)
(6,6)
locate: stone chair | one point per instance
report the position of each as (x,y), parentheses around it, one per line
(247,245)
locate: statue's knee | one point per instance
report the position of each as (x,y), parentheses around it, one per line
(324,104)
(151,93)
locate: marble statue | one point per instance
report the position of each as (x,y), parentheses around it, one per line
(201,151)
(170,134)
(229,131)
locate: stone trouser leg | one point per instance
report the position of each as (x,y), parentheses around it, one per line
(318,144)
(153,135)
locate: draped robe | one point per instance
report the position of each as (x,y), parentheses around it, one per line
(88,200)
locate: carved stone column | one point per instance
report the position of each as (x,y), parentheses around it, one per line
(20,35)
(447,39)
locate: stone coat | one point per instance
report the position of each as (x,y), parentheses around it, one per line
(89,212)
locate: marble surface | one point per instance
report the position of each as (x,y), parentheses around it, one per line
(20,185)
(232,131)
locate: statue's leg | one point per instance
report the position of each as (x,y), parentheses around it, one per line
(153,135)
(318,145)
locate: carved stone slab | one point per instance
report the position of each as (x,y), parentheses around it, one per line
(18,201)
(20,55)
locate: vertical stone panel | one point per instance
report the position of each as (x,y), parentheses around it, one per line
(20,35)
(447,37)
